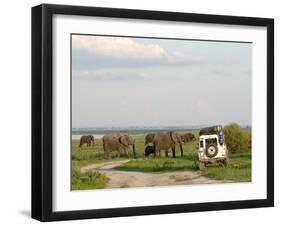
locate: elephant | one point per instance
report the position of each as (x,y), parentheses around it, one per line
(166,141)
(181,137)
(88,139)
(149,150)
(188,137)
(117,142)
(149,138)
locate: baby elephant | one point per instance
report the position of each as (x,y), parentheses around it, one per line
(149,150)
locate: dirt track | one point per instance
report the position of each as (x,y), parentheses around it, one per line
(120,178)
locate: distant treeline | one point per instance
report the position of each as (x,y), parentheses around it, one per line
(138,130)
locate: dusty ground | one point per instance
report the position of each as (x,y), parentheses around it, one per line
(120,178)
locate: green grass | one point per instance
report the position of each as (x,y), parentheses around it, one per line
(85,156)
(238,170)
(88,180)
(95,154)
(158,165)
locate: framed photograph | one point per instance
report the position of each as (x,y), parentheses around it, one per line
(139,112)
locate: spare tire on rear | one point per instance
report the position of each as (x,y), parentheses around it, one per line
(211,150)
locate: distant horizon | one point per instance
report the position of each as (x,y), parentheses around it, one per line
(171,126)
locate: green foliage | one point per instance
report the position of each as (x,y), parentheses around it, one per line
(248,135)
(87,181)
(237,139)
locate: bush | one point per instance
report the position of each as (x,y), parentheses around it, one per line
(249,139)
(237,139)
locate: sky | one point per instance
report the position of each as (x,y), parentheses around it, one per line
(127,82)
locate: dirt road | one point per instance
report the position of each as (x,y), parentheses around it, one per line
(119,179)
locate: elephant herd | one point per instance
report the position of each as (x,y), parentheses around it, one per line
(155,142)
(166,142)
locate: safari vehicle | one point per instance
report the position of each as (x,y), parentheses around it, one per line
(212,148)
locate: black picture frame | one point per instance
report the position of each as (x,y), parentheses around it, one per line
(42,111)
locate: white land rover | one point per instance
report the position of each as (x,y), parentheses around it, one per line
(212,148)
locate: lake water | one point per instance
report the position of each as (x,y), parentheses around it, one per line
(96,136)
(77,136)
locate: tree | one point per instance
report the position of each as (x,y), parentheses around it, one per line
(236,139)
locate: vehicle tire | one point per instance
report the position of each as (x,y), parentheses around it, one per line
(211,150)
(225,162)
(202,166)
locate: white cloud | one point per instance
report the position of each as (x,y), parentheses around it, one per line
(123,47)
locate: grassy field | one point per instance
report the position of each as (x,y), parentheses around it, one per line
(238,170)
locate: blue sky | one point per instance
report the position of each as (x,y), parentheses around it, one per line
(119,81)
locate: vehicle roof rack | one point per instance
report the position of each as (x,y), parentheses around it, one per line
(210,130)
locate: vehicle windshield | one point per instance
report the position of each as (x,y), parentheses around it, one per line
(211,141)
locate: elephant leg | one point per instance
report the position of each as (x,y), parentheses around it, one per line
(155,151)
(107,154)
(166,154)
(181,150)
(174,152)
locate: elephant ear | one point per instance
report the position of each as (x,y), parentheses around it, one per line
(123,139)
(174,137)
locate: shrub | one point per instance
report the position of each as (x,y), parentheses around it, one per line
(249,139)
(236,139)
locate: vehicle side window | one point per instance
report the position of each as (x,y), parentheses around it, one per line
(201,144)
